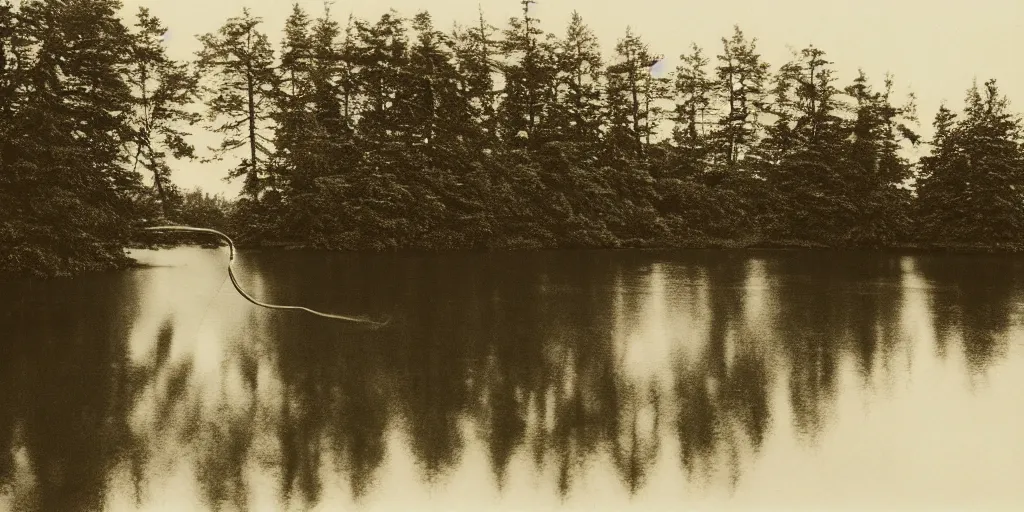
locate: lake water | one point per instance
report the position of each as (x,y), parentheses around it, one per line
(591,380)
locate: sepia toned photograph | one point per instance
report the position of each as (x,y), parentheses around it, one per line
(511,255)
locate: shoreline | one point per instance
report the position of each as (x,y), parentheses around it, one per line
(717,245)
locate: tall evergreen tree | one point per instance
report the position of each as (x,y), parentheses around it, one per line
(296,55)
(631,95)
(293,94)
(296,159)
(432,80)
(695,93)
(7,58)
(528,72)
(66,191)
(878,170)
(474,49)
(382,55)
(163,91)
(348,84)
(294,128)
(579,79)
(330,72)
(806,166)
(238,64)
(9,65)
(970,190)
(742,75)
(815,103)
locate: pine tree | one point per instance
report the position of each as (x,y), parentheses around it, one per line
(474,49)
(816,100)
(632,95)
(804,152)
(579,79)
(7,58)
(695,93)
(656,90)
(937,185)
(528,72)
(66,191)
(431,80)
(238,63)
(330,73)
(970,191)
(294,127)
(297,157)
(381,54)
(348,84)
(296,55)
(877,169)
(8,70)
(163,91)
(742,76)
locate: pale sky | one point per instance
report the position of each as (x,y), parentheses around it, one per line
(933,48)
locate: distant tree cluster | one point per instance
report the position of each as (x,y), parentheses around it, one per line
(394,134)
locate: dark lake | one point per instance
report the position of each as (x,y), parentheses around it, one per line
(591,380)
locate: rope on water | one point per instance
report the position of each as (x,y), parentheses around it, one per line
(234,281)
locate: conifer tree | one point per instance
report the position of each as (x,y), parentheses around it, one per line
(330,72)
(631,92)
(382,54)
(431,81)
(970,190)
(347,80)
(163,90)
(294,128)
(878,171)
(816,100)
(579,79)
(7,58)
(66,190)
(695,93)
(474,51)
(238,64)
(741,75)
(528,72)
(803,156)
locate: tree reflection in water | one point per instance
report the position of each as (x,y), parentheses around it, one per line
(65,390)
(976,303)
(722,389)
(563,362)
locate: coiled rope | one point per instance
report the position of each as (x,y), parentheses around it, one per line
(250,298)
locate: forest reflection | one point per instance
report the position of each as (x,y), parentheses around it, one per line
(118,390)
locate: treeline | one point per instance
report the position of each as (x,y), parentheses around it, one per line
(394,134)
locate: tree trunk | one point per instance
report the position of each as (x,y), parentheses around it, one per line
(158,183)
(636,101)
(252,176)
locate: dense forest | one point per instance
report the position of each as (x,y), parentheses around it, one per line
(394,134)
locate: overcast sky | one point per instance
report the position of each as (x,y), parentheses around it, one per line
(933,48)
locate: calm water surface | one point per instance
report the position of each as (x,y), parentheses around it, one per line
(532,381)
